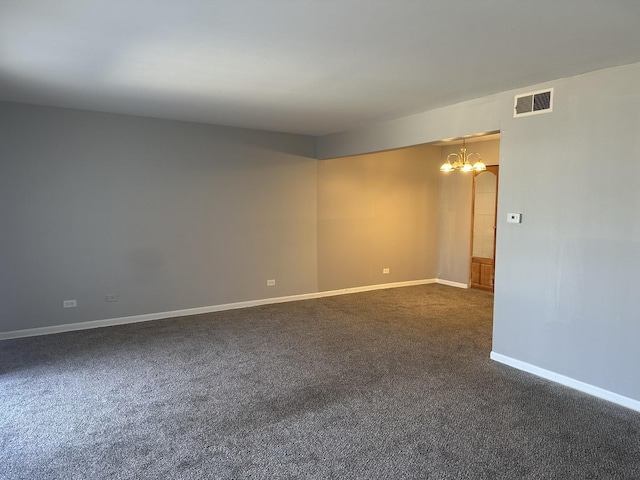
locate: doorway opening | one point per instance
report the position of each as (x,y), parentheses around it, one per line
(483,229)
(456,214)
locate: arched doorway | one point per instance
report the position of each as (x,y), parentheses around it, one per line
(483,235)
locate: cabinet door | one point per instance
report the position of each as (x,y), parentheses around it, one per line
(482,273)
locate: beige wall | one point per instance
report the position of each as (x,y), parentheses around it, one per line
(378,211)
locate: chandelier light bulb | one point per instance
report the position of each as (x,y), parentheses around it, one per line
(479,166)
(446,167)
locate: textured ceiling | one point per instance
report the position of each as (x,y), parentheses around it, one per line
(302,66)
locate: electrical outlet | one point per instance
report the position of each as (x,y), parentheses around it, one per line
(385,271)
(69,304)
(271,283)
(111,298)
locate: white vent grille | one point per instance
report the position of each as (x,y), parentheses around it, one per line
(533,103)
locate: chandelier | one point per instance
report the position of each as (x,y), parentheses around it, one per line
(462,162)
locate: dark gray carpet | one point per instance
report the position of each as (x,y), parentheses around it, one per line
(388,384)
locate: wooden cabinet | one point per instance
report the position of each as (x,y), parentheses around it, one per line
(482,273)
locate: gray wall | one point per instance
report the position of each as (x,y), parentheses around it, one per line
(483,115)
(174,215)
(566,278)
(378,211)
(167,215)
(454,221)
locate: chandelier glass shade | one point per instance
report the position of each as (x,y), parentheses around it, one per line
(462,161)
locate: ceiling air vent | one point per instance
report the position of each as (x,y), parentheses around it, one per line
(533,103)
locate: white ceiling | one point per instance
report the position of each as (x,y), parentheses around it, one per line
(301,66)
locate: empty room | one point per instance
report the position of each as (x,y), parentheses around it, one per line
(360,240)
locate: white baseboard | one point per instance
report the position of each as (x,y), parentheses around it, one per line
(31,332)
(452,284)
(567,381)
